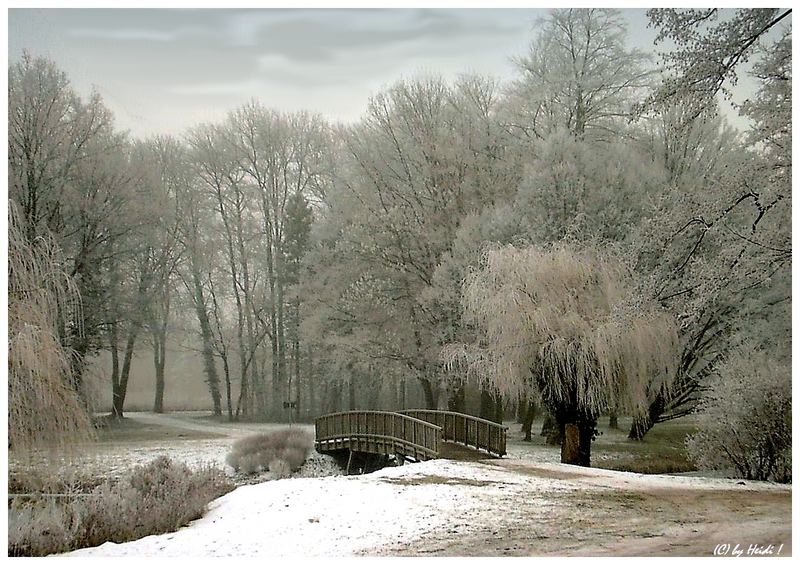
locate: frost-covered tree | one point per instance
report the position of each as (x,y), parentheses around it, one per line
(281,157)
(562,324)
(709,47)
(578,75)
(195,215)
(691,146)
(161,157)
(744,424)
(221,178)
(426,155)
(717,252)
(67,173)
(583,190)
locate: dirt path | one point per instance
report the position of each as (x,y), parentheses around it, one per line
(189,421)
(604,513)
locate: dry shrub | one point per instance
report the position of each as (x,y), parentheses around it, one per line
(50,479)
(279,468)
(40,527)
(257,452)
(157,498)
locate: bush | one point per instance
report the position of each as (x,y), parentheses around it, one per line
(279,468)
(157,498)
(745,420)
(280,452)
(50,480)
(40,527)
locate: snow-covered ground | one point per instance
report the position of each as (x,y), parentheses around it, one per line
(334,516)
(409,508)
(513,506)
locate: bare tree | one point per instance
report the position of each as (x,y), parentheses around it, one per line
(579,76)
(67,173)
(281,156)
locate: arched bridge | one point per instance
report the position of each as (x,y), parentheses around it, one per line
(418,434)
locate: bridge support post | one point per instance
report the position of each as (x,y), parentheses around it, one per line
(349,461)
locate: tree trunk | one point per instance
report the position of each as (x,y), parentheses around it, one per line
(351,393)
(277,374)
(280,329)
(431,393)
(552,430)
(310,381)
(77,364)
(639,427)
(458,398)
(487,404)
(613,421)
(114,346)
(209,367)
(159,331)
(570,447)
(522,408)
(498,408)
(118,402)
(226,370)
(643,423)
(221,348)
(159,362)
(577,445)
(527,423)
(296,351)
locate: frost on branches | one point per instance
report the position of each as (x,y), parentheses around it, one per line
(562,324)
(745,420)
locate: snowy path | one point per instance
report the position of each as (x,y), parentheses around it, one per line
(189,421)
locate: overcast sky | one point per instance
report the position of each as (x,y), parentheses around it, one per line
(161,71)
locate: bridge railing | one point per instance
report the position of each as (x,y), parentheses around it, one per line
(465,429)
(378,432)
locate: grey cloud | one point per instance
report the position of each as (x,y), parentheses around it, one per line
(339,31)
(158,62)
(124,34)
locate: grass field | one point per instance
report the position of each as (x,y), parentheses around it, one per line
(661,452)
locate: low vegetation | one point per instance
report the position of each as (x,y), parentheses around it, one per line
(52,515)
(745,420)
(280,452)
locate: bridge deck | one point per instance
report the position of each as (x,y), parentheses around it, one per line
(419,434)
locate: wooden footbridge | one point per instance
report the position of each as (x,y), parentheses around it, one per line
(416,434)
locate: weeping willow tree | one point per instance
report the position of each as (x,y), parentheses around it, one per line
(561,324)
(44,410)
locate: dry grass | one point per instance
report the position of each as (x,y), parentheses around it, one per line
(157,498)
